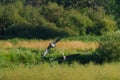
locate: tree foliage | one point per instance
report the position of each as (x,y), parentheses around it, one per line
(57,17)
(109,48)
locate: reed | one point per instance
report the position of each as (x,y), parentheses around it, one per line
(40,44)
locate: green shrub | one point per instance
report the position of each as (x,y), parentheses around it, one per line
(80,21)
(105,25)
(96,14)
(109,48)
(52,11)
(4,60)
(18,56)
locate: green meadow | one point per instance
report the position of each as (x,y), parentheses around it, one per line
(24,62)
(90,32)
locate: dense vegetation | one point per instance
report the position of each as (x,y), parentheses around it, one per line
(49,19)
(52,18)
(19,61)
(109,48)
(29,52)
(90,31)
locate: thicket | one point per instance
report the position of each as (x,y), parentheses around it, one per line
(109,49)
(48,19)
(16,56)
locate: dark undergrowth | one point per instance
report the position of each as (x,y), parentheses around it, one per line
(16,56)
(108,51)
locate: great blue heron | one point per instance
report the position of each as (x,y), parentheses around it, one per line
(52,45)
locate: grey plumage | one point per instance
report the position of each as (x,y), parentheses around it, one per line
(51,45)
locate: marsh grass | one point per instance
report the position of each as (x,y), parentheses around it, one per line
(29,56)
(20,60)
(16,51)
(54,71)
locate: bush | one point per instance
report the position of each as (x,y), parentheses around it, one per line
(19,56)
(80,21)
(52,11)
(109,48)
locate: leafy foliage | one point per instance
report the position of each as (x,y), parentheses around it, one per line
(19,55)
(58,18)
(109,48)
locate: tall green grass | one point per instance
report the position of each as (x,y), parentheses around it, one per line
(63,72)
(21,55)
(27,56)
(16,56)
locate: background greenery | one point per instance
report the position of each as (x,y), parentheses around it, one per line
(52,18)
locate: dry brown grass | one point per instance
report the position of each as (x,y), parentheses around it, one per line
(72,45)
(5,44)
(63,45)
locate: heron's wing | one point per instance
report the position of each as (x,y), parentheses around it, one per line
(45,52)
(58,39)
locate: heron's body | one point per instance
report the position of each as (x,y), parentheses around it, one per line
(52,45)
